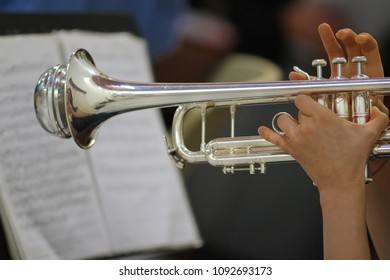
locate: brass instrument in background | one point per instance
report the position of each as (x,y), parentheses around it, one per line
(74,100)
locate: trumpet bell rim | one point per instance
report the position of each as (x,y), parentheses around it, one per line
(48,99)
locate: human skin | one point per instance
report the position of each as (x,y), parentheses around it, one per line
(334,151)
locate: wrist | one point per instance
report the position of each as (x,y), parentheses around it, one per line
(342,190)
(344,222)
(342,195)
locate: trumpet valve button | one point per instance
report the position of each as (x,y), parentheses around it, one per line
(339,61)
(319,63)
(359,60)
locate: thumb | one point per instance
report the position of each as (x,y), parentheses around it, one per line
(296,76)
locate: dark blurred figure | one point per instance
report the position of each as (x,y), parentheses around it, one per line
(257,23)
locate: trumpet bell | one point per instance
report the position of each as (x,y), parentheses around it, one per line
(60,97)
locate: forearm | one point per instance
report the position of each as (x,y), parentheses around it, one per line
(378,210)
(344,224)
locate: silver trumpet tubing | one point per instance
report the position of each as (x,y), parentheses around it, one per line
(74,100)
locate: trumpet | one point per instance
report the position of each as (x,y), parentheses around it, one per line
(73,100)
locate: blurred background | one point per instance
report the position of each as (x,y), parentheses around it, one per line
(272,216)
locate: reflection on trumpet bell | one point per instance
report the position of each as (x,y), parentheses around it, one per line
(74,100)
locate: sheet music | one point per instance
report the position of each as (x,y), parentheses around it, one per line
(134,174)
(46,184)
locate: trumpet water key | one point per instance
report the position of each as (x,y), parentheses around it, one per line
(73,100)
